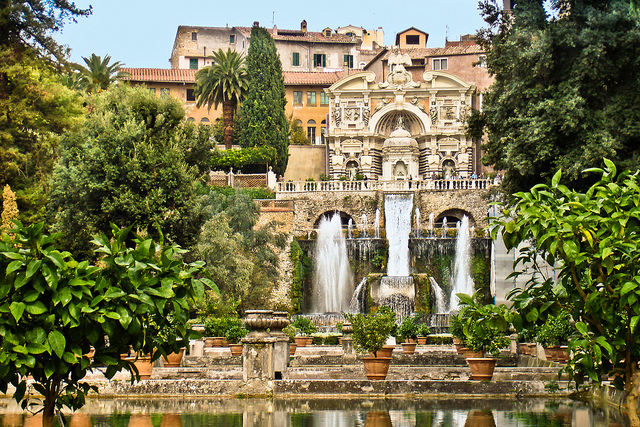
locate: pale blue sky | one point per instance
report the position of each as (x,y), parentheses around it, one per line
(140,33)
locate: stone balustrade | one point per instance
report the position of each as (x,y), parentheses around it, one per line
(400,185)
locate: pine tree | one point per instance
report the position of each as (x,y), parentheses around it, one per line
(264,121)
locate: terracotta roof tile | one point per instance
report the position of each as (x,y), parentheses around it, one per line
(159,75)
(311,78)
(439,51)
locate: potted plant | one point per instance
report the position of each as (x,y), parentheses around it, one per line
(291,332)
(484,326)
(214,330)
(234,334)
(408,333)
(423,333)
(370,332)
(455,329)
(305,328)
(554,334)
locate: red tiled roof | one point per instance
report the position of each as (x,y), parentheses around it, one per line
(308,36)
(311,78)
(416,53)
(160,75)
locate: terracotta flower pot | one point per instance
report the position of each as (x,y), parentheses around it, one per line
(422,340)
(385,351)
(292,348)
(218,341)
(236,349)
(524,349)
(208,342)
(376,368)
(144,366)
(467,352)
(173,360)
(301,341)
(309,340)
(482,367)
(533,349)
(409,347)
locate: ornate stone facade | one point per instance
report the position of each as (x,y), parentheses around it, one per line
(396,128)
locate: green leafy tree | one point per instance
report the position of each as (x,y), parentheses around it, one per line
(99,74)
(593,239)
(55,309)
(224,82)
(35,111)
(130,163)
(28,25)
(264,121)
(296,132)
(565,89)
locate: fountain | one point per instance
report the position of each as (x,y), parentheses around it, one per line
(444,227)
(438,296)
(357,299)
(417,233)
(376,226)
(396,289)
(333,282)
(462,280)
(363,219)
(350,229)
(431,222)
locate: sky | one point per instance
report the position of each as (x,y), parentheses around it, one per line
(140,33)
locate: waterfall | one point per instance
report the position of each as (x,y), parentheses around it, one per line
(462,281)
(376,226)
(438,296)
(398,293)
(350,229)
(363,219)
(397,214)
(333,284)
(417,222)
(444,227)
(357,300)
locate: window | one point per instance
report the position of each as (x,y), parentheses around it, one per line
(440,64)
(164,92)
(297,97)
(323,130)
(412,39)
(232,38)
(193,63)
(152,90)
(324,98)
(190,96)
(295,59)
(319,60)
(204,120)
(482,61)
(348,61)
(311,98)
(191,119)
(311,131)
(194,36)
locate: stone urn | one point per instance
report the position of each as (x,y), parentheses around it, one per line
(347,328)
(280,320)
(258,322)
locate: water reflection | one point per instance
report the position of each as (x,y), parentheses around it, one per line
(325,413)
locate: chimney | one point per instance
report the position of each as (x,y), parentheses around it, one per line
(256,24)
(303,26)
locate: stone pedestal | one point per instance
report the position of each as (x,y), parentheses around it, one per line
(258,361)
(281,356)
(347,346)
(196,347)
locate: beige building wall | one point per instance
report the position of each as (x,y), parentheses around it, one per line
(306,161)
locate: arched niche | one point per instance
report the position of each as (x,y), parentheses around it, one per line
(454,215)
(384,121)
(344,218)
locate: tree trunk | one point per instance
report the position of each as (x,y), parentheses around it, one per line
(228,110)
(631,400)
(49,409)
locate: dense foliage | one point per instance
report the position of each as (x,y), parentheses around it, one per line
(370,331)
(593,239)
(56,309)
(565,91)
(133,162)
(263,118)
(237,158)
(484,326)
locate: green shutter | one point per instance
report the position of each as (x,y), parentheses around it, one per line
(296,59)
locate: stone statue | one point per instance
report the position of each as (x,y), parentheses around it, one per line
(337,116)
(398,76)
(433,113)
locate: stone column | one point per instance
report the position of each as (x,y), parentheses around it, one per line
(258,346)
(347,341)
(281,346)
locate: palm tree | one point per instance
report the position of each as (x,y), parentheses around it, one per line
(98,75)
(224,82)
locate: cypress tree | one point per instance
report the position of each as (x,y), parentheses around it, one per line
(263,118)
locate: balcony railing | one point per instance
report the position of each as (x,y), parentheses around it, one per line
(413,185)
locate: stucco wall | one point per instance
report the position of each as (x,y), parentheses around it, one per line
(306,161)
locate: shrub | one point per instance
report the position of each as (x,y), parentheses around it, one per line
(371,331)
(305,326)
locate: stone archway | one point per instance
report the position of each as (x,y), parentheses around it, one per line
(453,215)
(344,218)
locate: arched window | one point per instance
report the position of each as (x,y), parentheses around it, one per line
(191,119)
(311,131)
(204,120)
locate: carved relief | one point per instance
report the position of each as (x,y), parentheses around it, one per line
(448,112)
(352,114)
(433,113)
(366,114)
(337,116)
(381,104)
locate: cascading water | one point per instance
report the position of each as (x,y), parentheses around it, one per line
(357,300)
(376,226)
(333,283)
(363,219)
(396,289)
(431,222)
(350,229)
(397,214)
(444,227)
(417,233)
(438,295)
(462,280)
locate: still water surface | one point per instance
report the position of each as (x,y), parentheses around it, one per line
(192,412)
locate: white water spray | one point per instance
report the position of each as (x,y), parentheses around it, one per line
(363,227)
(397,214)
(417,215)
(438,296)
(462,280)
(333,284)
(376,226)
(431,222)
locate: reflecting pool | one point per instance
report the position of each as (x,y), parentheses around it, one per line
(317,412)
